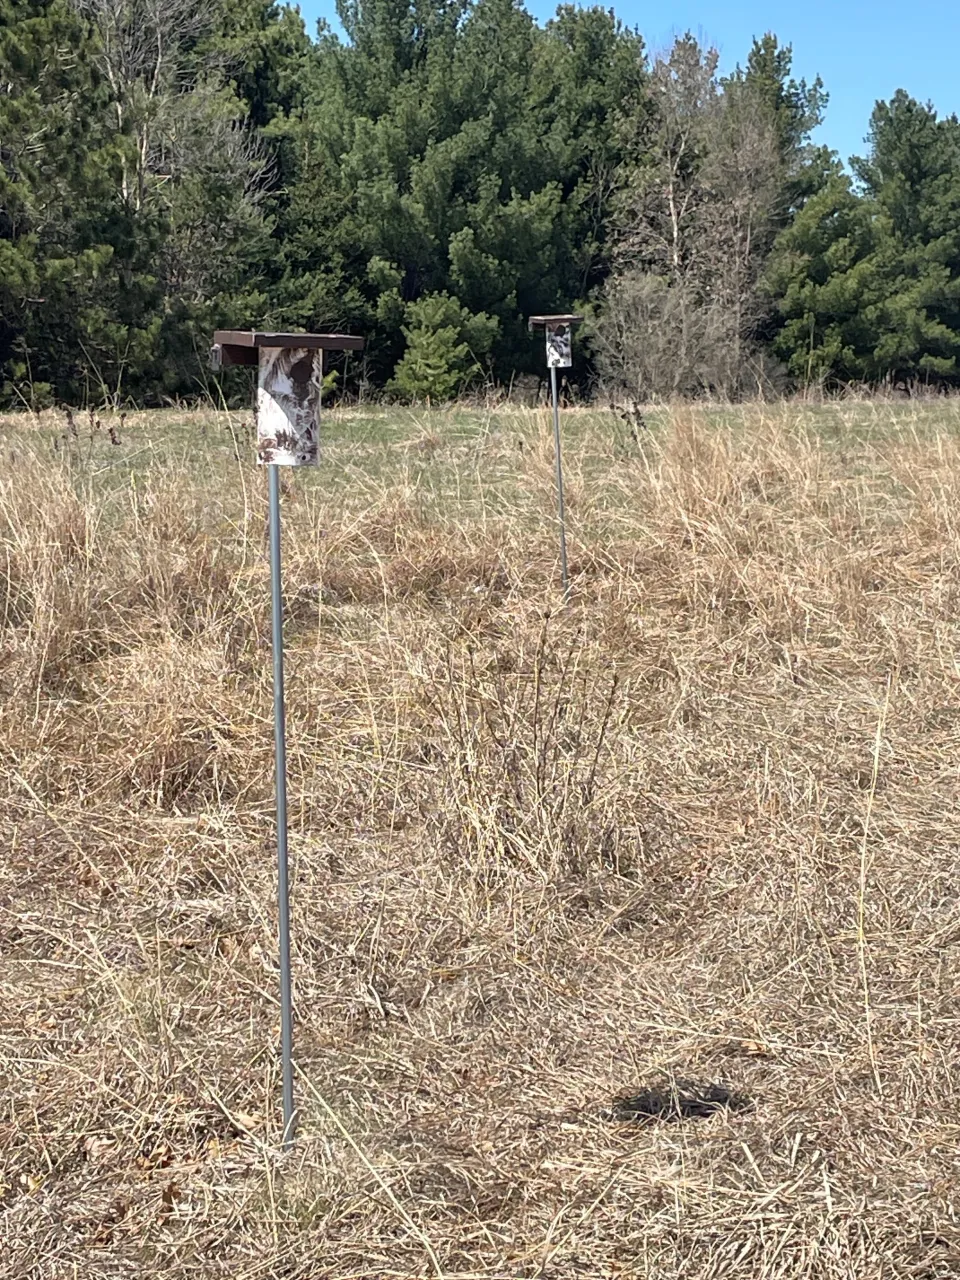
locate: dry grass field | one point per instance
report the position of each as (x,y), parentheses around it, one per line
(699,826)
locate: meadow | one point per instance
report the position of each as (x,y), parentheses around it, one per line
(698,828)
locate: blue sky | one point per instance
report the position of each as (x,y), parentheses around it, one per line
(863,51)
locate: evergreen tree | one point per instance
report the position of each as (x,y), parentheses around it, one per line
(823,275)
(435,176)
(445,346)
(57,164)
(868,283)
(453,149)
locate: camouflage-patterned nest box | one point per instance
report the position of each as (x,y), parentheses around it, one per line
(559,333)
(288,387)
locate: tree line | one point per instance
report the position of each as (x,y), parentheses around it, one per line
(430,180)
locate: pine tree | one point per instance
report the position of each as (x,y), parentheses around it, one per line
(445,346)
(56,165)
(868,283)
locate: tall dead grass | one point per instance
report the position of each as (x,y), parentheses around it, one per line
(700,825)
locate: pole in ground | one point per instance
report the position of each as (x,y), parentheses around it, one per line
(290,375)
(559,336)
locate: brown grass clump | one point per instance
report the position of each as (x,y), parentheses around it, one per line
(626,935)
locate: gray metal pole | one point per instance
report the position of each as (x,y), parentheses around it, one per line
(283,876)
(556,449)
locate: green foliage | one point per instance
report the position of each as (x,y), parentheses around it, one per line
(129,222)
(445,344)
(56,165)
(868,282)
(445,170)
(826,289)
(466,149)
(793,108)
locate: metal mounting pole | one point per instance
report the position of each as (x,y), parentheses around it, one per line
(283,877)
(562,517)
(290,374)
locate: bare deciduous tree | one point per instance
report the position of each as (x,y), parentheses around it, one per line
(145,50)
(743,175)
(191,154)
(695,213)
(661,199)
